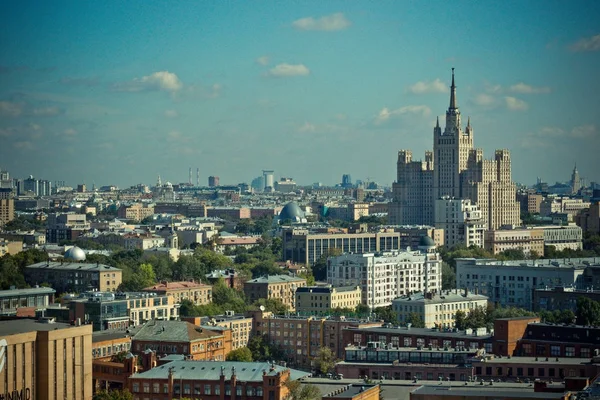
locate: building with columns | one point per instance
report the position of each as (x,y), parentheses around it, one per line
(454,169)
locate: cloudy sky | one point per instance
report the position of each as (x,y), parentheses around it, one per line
(116,92)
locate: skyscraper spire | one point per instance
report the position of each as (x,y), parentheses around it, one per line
(469,122)
(453,93)
(437,123)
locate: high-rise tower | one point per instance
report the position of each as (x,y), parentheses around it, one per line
(575,180)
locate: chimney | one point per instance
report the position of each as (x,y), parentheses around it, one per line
(466,292)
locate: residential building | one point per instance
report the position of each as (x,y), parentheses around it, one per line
(136,211)
(213,181)
(355,391)
(545,340)
(410,235)
(306,247)
(231,243)
(383,277)
(74,277)
(456,169)
(67,226)
(506,390)
(181,337)
(322,300)
(214,381)
(14,299)
(10,247)
(229,276)
(227,213)
(461,221)
(511,283)
(281,287)
(196,292)
(108,343)
(285,185)
(508,332)
(561,298)
(552,205)
(437,309)
(45,360)
(7,206)
(240,326)
(144,241)
(589,220)
(563,237)
(530,241)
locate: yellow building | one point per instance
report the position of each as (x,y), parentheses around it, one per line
(45,360)
(321,300)
(282,287)
(198,293)
(528,240)
(74,276)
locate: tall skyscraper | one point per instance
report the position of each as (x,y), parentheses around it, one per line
(269,180)
(213,181)
(456,170)
(575,180)
(346,180)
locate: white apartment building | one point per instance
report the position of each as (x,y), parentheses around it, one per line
(527,239)
(563,237)
(511,283)
(552,205)
(461,220)
(383,277)
(437,309)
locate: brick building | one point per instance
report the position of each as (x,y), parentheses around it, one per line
(74,276)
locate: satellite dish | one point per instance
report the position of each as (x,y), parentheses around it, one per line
(262,308)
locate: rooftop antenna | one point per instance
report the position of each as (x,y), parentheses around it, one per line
(190,177)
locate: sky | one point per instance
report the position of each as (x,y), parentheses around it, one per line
(118,92)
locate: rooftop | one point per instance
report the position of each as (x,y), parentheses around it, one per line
(350,391)
(173,331)
(577,263)
(24,325)
(476,390)
(175,286)
(26,292)
(101,336)
(421,332)
(440,298)
(326,289)
(211,370)
(276,279)
(72,266)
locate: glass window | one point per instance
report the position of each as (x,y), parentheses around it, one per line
(207,389)
(555,350)
(238,390)
(570,351)
(136,387)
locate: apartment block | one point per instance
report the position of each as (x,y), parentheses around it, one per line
(282,287)
(7,206)
(14,299)
(529,240)
(322,300)
(74,277)
(198,293)
(462,222)
(136,211)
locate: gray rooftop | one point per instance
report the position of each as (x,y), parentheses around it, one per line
(478,391)
(350,391)
(72,266)
(276,279)
(421,332)
(211,370)
(574,263)
(451,297)
(173,331)
(23,325)
(26,292)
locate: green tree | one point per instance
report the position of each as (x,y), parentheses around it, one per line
(275,306)
(588,311)
(415,320)
(459,320)
(298,391)
(325,360)
(141,277)
(113,395)
(188,309)
(241,354)
(262,350)
(362,310)
(558,316)
(265,268)
(448,276)
(387,314)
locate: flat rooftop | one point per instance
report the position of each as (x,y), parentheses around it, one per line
(350,391)
(24,325)
(72,266)
(26,292)
(421,332)
(476,390)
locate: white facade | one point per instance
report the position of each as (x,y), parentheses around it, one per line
(462,222)
(511,283)
(563,237)
(386,276)
(437,309)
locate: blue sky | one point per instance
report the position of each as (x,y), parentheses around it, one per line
(117,92)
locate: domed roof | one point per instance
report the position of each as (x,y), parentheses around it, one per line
(426,241)
(75,254)
(292,212)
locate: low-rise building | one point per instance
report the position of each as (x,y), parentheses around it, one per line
(145,241)
(322,300)
(240,325)
(10,247)
(561,298)
(355,391)
(214,381)
(136,211)
(107,344)
(74,276)
(230,276)
(589,220)
(437,309)
(530,241)
(232,243)
(385,276)
(14,299)
(281,287)
(196,292)
(45,360)
(563,237)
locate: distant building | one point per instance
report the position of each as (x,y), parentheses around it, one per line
(196,292)
(68,226)
(136,211)
(10,247)
(437,309)
(45,360)
(462,222)
(589,220)
(561,298)
(229,276)
(528,240)
(355,391)
(74,276)
(285,185)
(240,326)
(7,206)
(213,181)
(322,300)
(386,276)
(142,241)
(563,237)
(281,287)
(575,181)
(14,299)
(234,242)
(215,380)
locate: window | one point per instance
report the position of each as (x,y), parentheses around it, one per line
(187,389)
(238,390)
(136,387)
(527,350)
(227,390)
(207,389)
(217,389)
(584,352)
(156,388)
(146,387)
(555,351)
(249,391)
(569,351)
(530,372)
(259,391)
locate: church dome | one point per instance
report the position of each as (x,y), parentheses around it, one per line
(426,241)
(75,254)
(292,212)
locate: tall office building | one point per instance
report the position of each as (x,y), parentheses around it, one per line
(213,181)
(457,170)
(575,180)
(269,180)
(7,206)
(346,181)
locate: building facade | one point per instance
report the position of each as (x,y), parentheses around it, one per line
(73,276)
(323,300)
(136,211)
(7,206)
(530,241)
(461,221)
(281,287)
(455,169)
(14,299)
(196,292)
(386,276)
(437,309)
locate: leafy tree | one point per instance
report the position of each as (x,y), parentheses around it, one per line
(308,275)
(141,277)
(448,276)
(415,320)
(459,320)
(113,395)
(265,268)
(241,354)
(588,311)
(262,350)
(362,310)
(275,306)
(187,309)
(298,391)
(386,314)
(119,357)
(325,360)
(558,316)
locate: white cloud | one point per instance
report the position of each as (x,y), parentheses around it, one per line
(493,88)
(435,86)
(161,80)
(171,113)
(591,43)
(10,109)
(24,145)
(263,60)
(333,22)
(528,89)
(175,135)
(70,132)
(584,131)
(284,70)
(46,111)
(514,104)
(551,131)
(307,127)
(385,114)
(485,100)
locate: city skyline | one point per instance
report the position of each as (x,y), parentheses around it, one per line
(118,93)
